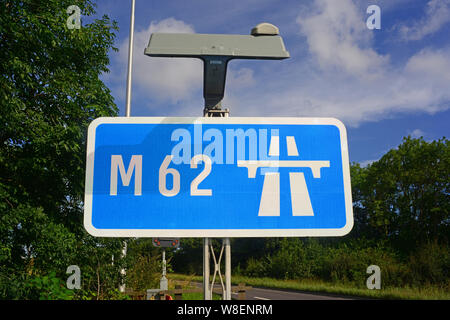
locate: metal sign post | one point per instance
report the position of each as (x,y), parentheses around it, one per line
(207,244)
(206,286)
(227,245)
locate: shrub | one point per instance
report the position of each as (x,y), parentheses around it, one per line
(145,273)
(255,268)
(430,264)
(347,262)
(49,288)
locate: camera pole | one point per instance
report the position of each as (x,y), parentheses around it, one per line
(216,50)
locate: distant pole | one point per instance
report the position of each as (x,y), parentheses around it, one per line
(123,272)
(130,61)
(163,282)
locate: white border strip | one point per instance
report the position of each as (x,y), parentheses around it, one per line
(212,233)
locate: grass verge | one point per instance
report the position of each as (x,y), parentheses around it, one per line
(318,286)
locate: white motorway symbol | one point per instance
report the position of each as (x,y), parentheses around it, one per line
(270,197)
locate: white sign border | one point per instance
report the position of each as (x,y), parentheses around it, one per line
(216,233)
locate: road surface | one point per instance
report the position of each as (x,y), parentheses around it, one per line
(274,294)
(279,294)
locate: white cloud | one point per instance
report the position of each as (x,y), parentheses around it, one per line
(163,78)
(239,78)
(366,163)
(341,75)
(417,133)
(437,14)
(430,63)
(338,38)
(156,79)
(344,77)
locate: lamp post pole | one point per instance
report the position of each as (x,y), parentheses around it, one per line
(130,61)
(128,108)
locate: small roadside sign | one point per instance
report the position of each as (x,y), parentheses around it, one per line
(166,242)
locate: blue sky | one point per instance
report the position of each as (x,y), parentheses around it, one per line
(382,84)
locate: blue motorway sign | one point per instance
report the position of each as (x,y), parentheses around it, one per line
(217,177)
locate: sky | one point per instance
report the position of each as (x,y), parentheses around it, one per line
(383,84)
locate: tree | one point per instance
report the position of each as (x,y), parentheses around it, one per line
(144,263)
(50,90)
(188,259)
(406,193)
(360,215)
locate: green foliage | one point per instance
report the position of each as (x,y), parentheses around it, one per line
(144,264)
(50,90)
(430,264)
(36,287)
(13,284)
(405,196)
(293,258)
(50,288)
(100,261)
(189,257)
(144,274)
(347,262)
(256,268)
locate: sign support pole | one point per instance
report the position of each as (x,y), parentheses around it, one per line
(206,291)
(227,269)
(207,243)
